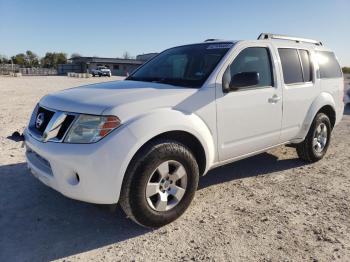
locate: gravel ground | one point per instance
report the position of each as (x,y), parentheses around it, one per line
(271,207)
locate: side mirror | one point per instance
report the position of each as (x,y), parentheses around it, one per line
(240,80)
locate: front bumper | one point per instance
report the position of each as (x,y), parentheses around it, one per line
(87,172)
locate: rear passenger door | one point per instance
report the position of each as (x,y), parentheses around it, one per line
(299,89)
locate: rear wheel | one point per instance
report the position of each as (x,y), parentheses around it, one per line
(160,183)
(316,143)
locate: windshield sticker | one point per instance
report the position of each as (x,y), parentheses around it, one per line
(219,46)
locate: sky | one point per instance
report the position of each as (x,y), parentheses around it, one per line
(109,28)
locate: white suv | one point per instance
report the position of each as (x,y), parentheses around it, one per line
(101,71)
(146,141)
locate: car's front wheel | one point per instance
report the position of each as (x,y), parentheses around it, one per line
(159,184)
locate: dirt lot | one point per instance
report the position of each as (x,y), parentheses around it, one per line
(271,207)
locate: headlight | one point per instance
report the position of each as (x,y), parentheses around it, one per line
(90,128)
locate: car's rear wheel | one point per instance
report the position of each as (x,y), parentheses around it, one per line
(316,143)
(159,184)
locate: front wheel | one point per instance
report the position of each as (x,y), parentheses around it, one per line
(160,183)
(316,143)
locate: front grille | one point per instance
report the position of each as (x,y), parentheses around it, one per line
(47,117)
(57,134)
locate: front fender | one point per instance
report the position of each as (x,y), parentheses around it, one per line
(159,121)
(151,124)
(323,99)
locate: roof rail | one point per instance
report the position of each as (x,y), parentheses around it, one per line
(264,36)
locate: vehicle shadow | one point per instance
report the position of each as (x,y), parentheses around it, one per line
(38,223)
(263,164)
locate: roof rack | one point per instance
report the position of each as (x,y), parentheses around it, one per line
(264,36)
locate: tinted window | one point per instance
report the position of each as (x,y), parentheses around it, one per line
(292,72)
(254,59)
(307,69)
(187,66)
(329,66)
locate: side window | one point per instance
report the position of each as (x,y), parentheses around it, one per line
(329,66)
(254,59)
(307,68)
(292,71)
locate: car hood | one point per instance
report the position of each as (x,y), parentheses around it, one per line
(124,98)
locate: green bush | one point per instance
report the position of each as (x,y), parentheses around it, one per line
(346,70)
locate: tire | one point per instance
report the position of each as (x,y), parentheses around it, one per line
(99,75)
(143,205)
(311,151)
(93,75)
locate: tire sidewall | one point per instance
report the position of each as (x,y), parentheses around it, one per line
(320,118)
(143,213)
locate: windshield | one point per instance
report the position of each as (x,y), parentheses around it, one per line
(187,66)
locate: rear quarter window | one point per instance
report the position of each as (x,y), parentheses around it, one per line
(328,64)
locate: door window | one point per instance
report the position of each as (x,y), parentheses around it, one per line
(253,59)
(292,71)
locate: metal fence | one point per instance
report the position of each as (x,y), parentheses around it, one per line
(8,69)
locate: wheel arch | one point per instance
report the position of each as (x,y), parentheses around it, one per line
(324,103)
(185,138)
(330,112)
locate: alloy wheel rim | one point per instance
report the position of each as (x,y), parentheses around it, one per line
(320,138)
(166,186)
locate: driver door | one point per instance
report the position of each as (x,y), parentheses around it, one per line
(249,117)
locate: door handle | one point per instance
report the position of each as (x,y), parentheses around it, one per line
(274,99)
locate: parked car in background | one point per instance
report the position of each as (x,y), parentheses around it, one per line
(101,71)
(146,141)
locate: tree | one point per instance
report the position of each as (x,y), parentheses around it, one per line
(19,59)
(346,70)
(75,55)
(126,55)
(51,60)
(32,60)
(29,59)
(4,60)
